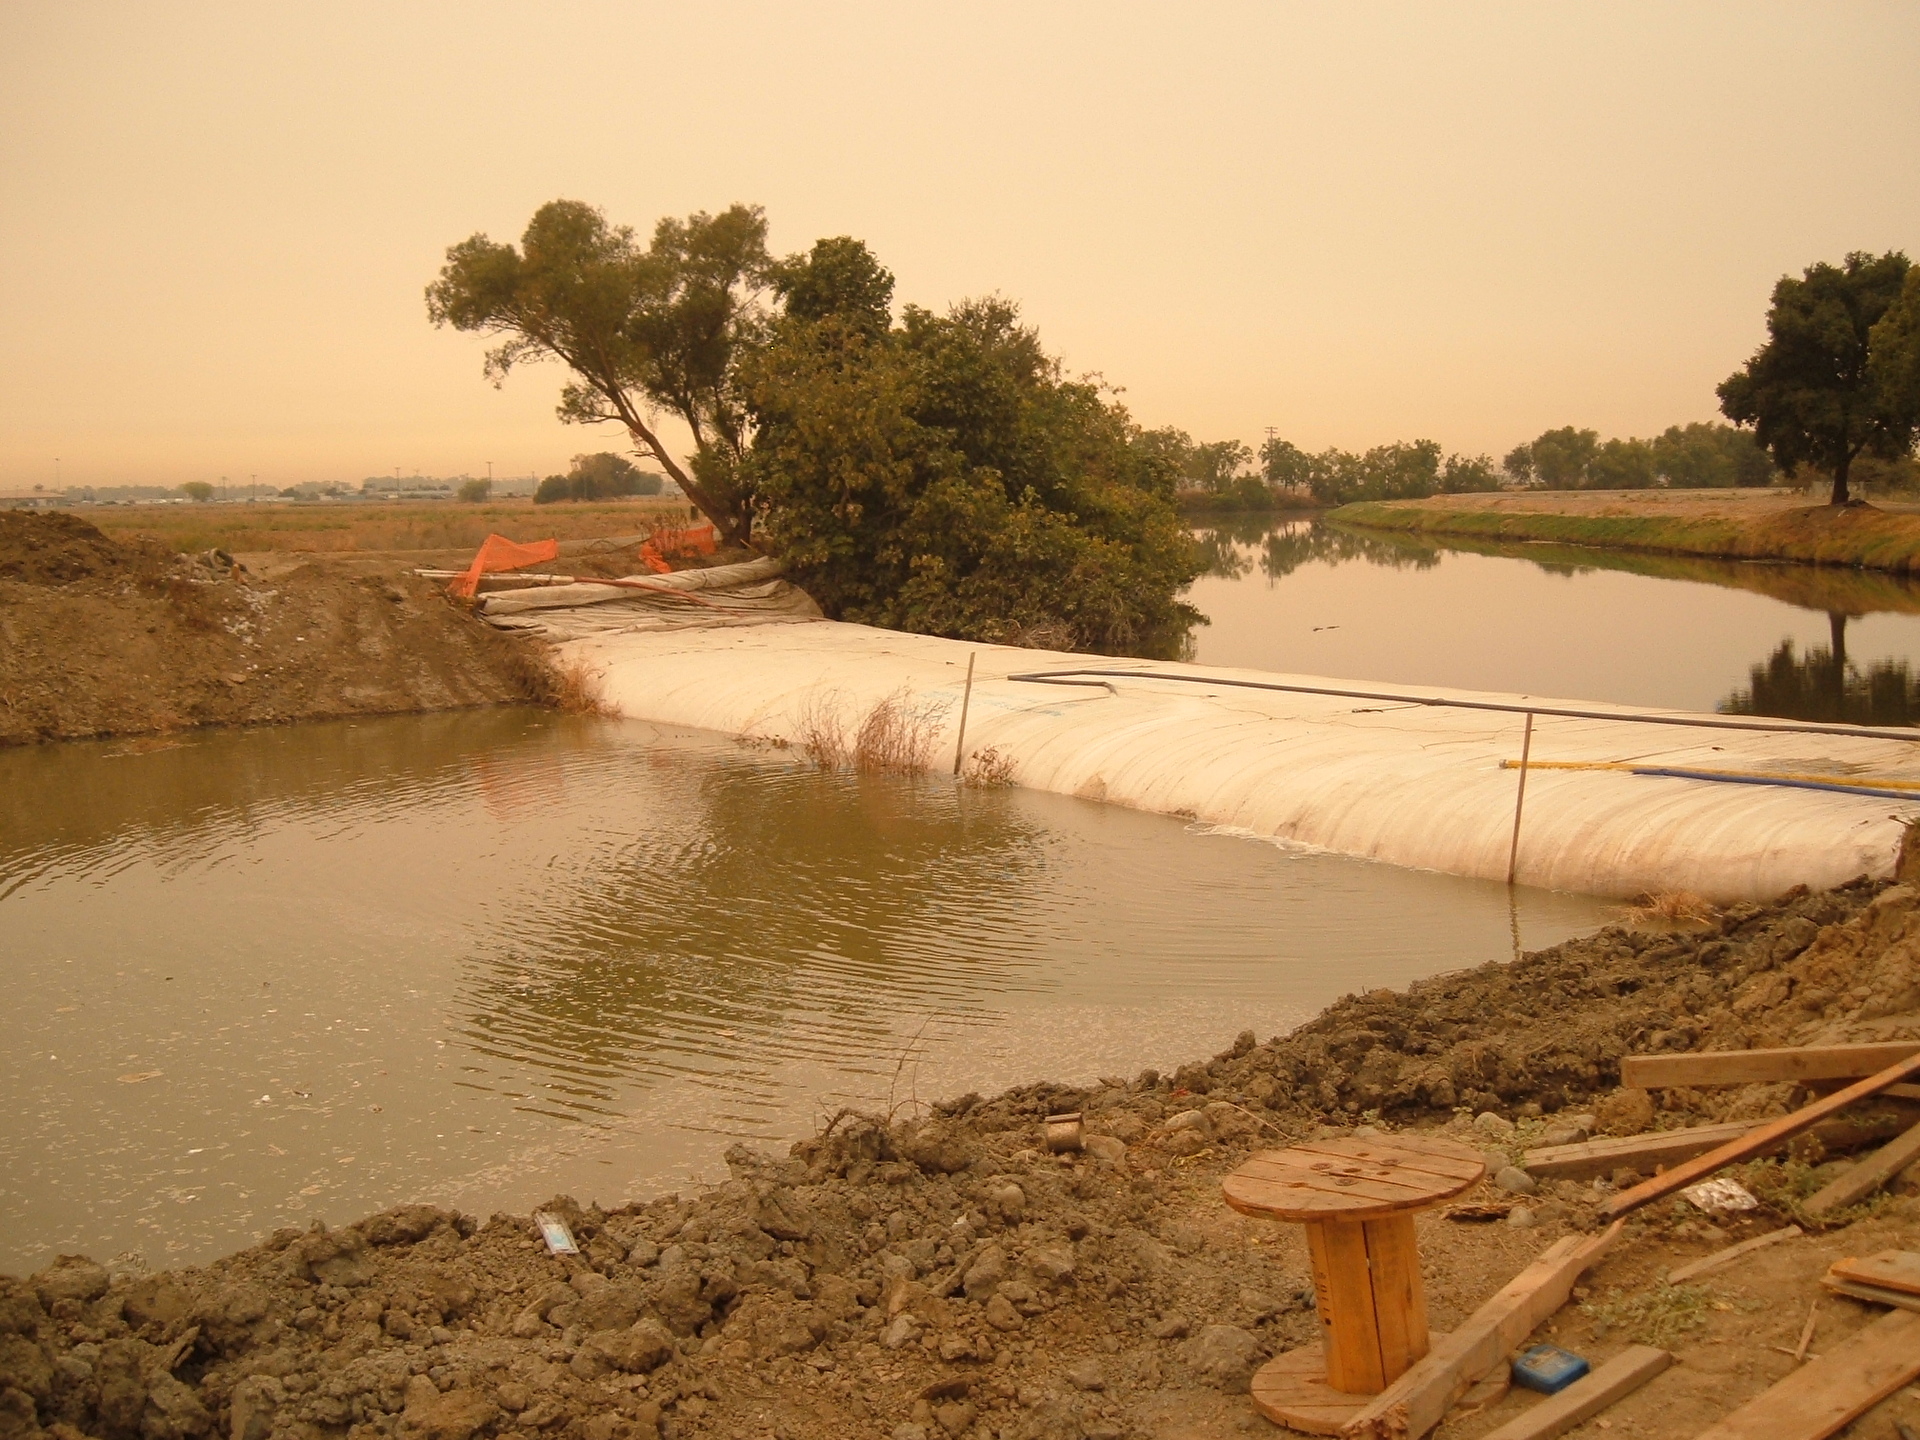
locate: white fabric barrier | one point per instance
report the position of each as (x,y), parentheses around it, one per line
(1420,786)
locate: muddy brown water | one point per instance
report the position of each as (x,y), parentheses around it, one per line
(261,977)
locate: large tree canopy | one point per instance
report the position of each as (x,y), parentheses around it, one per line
(944,475)
(1813,393)
(643,330)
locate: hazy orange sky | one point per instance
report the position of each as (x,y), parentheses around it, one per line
(1355,223)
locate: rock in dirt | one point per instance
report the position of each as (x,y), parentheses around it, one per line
(1625,1112)
(1225,1356)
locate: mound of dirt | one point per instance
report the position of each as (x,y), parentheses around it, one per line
(103,637)
(54,548)
(944,1278)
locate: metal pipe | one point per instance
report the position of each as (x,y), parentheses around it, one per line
(1063,677)
(966,699)
(1520,800)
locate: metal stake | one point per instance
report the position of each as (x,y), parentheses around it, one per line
(1520,798)
(966,699)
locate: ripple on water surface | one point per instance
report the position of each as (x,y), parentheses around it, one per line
(482,957)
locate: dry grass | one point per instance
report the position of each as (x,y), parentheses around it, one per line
(1043,635)
(544,678)
(823,735)
(897,736)
(987,768)
(431,525)
(1671,910)
(579,691)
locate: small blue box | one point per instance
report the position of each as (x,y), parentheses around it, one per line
(1548,1369)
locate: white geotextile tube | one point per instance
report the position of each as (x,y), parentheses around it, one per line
(1419,786)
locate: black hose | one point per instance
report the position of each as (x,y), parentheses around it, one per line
(1066,677)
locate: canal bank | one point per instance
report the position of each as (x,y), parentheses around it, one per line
(934,1271)
(1733,525)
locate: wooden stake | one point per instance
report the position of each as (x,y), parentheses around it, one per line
(1732,1252)
(966,699)
(1823,1395)
(1868,1176)
(1806,1332)
(1756,1141)
(1520,799)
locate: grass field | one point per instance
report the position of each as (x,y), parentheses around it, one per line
(429,525)
(1860,536)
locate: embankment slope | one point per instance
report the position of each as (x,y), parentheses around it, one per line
(1764,527)
(120,636)
(936,1275)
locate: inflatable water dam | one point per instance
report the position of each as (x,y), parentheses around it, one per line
(1568,795)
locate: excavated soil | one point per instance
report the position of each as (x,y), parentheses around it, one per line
(939,1275)
(104,636)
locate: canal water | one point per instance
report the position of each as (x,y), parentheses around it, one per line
(257,978)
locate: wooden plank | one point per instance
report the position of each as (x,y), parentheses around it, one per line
(1343,1296)
(1688,1172)
(1419,1399)
(1872,1294)
(1587,1396)
(1868,1176)
(1731,1253)
(1825,1394)
(1594,1159)
(1759,1067)
(1889,1269)
(1399,1297)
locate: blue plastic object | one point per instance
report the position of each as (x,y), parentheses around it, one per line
(1548,1369)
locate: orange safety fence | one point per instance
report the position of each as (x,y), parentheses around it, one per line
(679,544)
(499,553)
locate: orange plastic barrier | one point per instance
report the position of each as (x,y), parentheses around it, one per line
(679,544)
(499,553)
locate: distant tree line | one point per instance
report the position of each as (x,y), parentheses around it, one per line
(1684,457)
(601,476)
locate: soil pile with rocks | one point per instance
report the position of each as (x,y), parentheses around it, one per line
(103,636)
(58,549)
(943,1275)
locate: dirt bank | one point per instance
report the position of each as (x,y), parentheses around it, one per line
(1766,525)
(105,635)
(936,1275)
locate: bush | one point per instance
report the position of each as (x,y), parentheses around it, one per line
(945,476)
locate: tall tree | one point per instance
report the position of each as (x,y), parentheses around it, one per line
(1812,393)
(944,475)
(643,330)
(1560,457)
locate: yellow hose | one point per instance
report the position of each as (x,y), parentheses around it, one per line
(1850,780)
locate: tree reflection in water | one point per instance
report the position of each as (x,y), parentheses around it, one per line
(1822,684)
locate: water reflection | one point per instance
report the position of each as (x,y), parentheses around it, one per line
(1311,596)
(1822,684)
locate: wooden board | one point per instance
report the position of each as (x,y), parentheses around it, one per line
(1593,1159)
(1758,1142)
(1420,1399)
(1292,1390)
(1732,1252)
(1587,1396)
(1758,1067)
(1868,1176)
(1889,1269)
(1349,1178)
(1825,1394)
(1872,1294)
